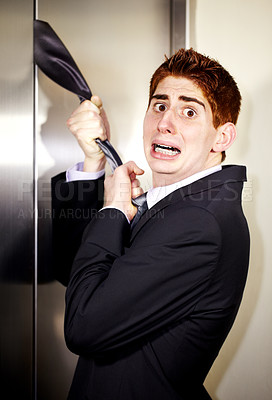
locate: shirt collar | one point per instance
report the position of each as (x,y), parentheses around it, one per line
(154,195)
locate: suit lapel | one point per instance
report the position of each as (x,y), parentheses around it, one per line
(230,173)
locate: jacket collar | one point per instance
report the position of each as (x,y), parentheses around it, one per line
(229,173)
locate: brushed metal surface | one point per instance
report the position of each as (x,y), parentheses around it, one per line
(16,198)
(178,22)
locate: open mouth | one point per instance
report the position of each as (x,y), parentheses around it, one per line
(163,149)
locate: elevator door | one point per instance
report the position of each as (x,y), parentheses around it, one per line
(16,200)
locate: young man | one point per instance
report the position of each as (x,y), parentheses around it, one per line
(148,308)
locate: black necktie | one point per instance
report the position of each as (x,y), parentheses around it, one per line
(141,203)
(53,58)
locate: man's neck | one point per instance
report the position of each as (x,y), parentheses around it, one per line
(160,180)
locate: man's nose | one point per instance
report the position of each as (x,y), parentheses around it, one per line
(166,123)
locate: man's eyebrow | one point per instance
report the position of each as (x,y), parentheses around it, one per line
(182,97)
(192,99)
(160,97)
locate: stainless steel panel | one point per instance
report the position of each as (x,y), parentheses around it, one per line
(16,198)
(177,25)
(117,45)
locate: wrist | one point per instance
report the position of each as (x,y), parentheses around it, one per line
(93,165)
(128,209)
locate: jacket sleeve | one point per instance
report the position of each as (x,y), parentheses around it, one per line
(73,206)
(119,295)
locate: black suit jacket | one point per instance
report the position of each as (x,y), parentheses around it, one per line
(147,312)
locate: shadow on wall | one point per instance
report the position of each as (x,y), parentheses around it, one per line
(60,151)
(57,151)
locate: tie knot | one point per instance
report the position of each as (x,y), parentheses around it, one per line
(141,203)
(140,200)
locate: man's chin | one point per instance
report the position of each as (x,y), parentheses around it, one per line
(162,166)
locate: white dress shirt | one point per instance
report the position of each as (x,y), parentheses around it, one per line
(76,173)
(154,195)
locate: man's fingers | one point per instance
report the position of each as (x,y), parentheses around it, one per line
(136,189)
(86,123)
(86,110)
(97,101)
(89,129)
(136,192)
(90,111)
(120,188)
(85,106)
(129,170)
(135,183)
(132,167)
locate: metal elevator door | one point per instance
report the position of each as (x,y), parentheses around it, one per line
(117,45)
(16,199)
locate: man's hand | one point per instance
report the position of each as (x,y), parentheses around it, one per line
(122,186)
(88,122)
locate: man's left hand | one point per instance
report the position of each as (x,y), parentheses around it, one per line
(122,186)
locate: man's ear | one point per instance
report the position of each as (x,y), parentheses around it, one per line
(226,134)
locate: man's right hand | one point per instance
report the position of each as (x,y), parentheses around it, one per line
(88,122)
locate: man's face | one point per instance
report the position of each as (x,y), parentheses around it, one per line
(178,132)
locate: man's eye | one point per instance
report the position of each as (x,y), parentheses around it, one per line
(160,107)
(188,112)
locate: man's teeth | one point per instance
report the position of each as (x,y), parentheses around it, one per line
(171,151)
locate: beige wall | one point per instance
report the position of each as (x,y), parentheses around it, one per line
(239,34)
